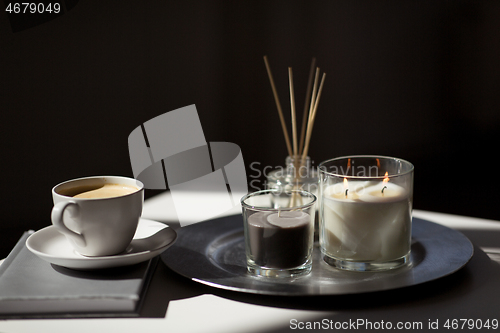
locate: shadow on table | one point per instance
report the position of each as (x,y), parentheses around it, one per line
(483,238)
(452,286)
(167,286)
(472,292)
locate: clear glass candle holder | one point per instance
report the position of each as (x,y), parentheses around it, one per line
(365,212)
(279,232)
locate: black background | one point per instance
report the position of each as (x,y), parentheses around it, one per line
(419,80)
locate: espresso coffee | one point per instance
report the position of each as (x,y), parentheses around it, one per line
(105,191)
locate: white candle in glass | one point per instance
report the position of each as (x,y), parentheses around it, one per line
(366,220)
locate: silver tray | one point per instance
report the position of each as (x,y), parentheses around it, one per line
(213,253)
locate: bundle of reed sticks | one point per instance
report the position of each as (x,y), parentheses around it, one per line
(298,149)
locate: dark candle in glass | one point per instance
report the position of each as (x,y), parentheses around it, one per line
(282,244)
(278,240)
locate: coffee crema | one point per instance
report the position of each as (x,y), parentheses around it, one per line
(107,191)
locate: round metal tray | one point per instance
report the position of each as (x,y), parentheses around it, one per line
(213,253)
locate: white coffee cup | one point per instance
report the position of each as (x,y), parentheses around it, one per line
(98,226)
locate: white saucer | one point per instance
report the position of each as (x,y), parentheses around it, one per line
(150,239)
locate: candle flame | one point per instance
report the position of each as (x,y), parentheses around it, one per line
(386,179)
(346,186)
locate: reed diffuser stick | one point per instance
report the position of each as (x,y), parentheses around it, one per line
(292,107)
(315,91)
(312,118)
(293,200)
(278,106)
(316,102)
(305,114)
(309,114)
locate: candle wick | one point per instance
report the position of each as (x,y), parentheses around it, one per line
(346,190)
(383,189)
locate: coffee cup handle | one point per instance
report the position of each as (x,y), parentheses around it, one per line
(58,221)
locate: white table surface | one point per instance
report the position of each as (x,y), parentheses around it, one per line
(176,304)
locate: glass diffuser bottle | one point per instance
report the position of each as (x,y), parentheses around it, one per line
(297,174)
